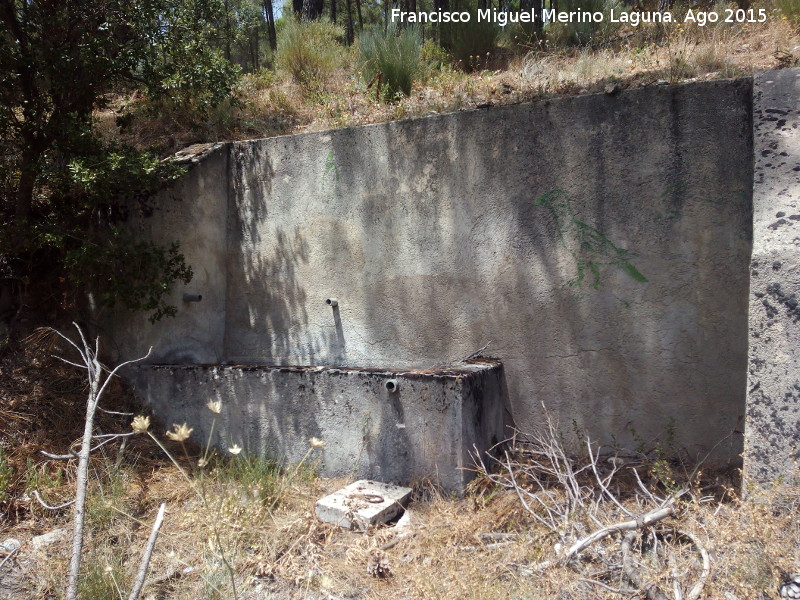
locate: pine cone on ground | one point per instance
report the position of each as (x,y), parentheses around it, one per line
(378,565)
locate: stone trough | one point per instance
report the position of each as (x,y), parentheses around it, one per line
(390,425)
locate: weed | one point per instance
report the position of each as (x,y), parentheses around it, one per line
(6,474)
(105,575)
(788,10)
(255,477)
(392,55)
(589,33)
(309,51)
(41,476)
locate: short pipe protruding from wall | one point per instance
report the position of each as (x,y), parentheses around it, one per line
(192,297)
(331,301)
(392,385)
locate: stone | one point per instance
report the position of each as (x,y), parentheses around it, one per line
(363,504)
(40,541)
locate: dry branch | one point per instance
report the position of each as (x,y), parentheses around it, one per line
(148,551)
(47,506)
(640,522)
(652,591)
(97,385)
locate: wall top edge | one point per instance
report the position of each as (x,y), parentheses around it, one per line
(465,369)
(656,86)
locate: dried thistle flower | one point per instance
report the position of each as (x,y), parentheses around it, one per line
(235,449)
(140,424)
(316,442)
(215,406)
(180,434)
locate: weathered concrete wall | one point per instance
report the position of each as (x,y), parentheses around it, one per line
(773,402)
(600,244)
(427,427)
(193,212)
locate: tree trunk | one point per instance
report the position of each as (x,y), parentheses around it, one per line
(312,10)
(270,15)
(333,11)
(360,18)
(227,31)
(29,169)
(348,5)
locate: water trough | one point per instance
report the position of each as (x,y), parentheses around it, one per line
(390,425)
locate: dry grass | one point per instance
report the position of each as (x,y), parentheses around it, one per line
(485,546)
(481,547)
(270,103)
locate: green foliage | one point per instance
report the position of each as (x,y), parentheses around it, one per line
(393,54)
(470,44)
(105,575)
(257,477)
(309,51)
(6,476)
(64,195)
(433,56)
(81,236)
(39,477)
(789,10)
(588,33)
(192,74)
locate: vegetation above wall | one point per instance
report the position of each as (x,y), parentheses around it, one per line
(92,95)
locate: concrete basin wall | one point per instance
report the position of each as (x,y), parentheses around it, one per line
(599,244)
(389,425)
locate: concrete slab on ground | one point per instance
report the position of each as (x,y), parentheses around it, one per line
(363,504)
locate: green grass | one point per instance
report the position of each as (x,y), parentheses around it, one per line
(309,52)
(394,55)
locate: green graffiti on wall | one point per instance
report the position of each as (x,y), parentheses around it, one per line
(592,250)
(330,168)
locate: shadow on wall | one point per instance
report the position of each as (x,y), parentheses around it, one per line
(622,305)
(267,319)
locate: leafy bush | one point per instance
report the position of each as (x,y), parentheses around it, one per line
(433,56)
(309,52)
(395,55)
(79,243)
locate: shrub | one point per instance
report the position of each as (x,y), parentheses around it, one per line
(396,55)
(433,56)
(309,52)
(470,43)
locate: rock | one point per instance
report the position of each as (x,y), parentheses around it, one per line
(40,541)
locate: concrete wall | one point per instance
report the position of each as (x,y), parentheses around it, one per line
(193,212)
(428,426)
(599,243)
(773,402)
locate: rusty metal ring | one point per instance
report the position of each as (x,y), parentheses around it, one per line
(373,498)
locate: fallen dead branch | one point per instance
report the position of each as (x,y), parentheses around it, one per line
(574,496)
(638,523)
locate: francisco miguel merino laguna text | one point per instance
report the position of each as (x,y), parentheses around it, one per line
(503,18)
